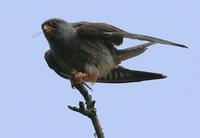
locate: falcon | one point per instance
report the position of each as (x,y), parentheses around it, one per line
(90,51)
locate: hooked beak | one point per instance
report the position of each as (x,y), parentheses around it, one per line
(48,28)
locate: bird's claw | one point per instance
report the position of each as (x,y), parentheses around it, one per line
(83,83)
(79,77)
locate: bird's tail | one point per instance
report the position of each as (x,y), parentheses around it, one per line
(123,75)
(127,53)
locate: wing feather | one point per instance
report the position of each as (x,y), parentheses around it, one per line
(97,31)
(109,34)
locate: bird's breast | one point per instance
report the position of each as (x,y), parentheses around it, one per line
(83,55)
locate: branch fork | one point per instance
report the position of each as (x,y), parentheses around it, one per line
(87,108)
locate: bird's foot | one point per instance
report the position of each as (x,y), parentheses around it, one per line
(80,77)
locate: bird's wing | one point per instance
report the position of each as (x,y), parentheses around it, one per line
(123,75)
(117,75)
(97,31)
(54,65)
(114,35)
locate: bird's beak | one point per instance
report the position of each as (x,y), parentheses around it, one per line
(47,28)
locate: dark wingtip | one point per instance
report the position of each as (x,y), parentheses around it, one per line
(162,76)
(156,76)
(177,44)
(183,46)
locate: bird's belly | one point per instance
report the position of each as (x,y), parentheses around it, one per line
(100,60)
(102,68)
(89,57)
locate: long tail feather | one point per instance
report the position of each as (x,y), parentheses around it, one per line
(123,75)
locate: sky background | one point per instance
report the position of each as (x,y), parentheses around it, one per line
(34,100)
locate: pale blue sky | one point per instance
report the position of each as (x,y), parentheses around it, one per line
(33,99)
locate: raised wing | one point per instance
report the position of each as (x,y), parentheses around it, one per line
(97,30)
(113,35)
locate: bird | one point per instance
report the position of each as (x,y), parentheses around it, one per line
(89,51)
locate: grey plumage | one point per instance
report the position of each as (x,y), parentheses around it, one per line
(91,48)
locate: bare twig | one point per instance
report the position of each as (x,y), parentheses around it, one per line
(88,108)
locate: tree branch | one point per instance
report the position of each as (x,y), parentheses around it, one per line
(88,108)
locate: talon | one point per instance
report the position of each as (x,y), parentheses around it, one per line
(80,77)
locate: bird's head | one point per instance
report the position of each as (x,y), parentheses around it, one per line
(56,29)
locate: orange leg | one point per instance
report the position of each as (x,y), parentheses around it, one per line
(80,77)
